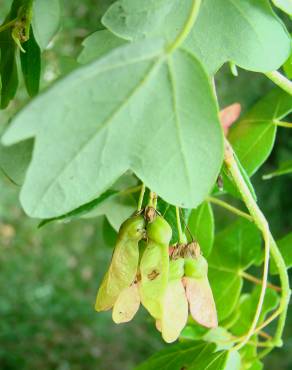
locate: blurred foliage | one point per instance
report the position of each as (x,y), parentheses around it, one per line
(49,276)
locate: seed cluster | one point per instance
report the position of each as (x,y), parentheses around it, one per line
(169,281)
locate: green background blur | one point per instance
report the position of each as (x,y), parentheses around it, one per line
(49,276)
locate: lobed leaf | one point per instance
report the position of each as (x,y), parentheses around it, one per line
(136,93)
(221,26)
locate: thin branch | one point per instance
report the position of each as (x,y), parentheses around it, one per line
(230,208)
(261,223)
(258,281)
(282,124)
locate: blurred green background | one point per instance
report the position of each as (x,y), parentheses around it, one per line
(49,276)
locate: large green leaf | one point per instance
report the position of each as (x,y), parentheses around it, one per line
(285,246)
(235,249)
(46,20)
(222,26)
(192,356)
(114,115)
(201,225)
(253,136)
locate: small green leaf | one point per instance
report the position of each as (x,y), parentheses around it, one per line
(254,135)
(226,287)
(46,20)
(285,5)
(239,244)
(257,365)
(31,65)
(98,44)
(201,225)
(192,356)
(285,246)
(235,249)
(14,160)
(285,168)
(8,66)
(116,132)
(247,309)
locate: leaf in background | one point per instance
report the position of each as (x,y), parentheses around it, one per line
(288,67)
(114,114)
(257,365)
(97,44)
(223,25)
(247,309)
(285,168)
(14,160)
(31,65)
(193,356)
(201,225)
(285,246)
(235,249)
(46,20)
(253,136)
(8,66)
(285,5)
